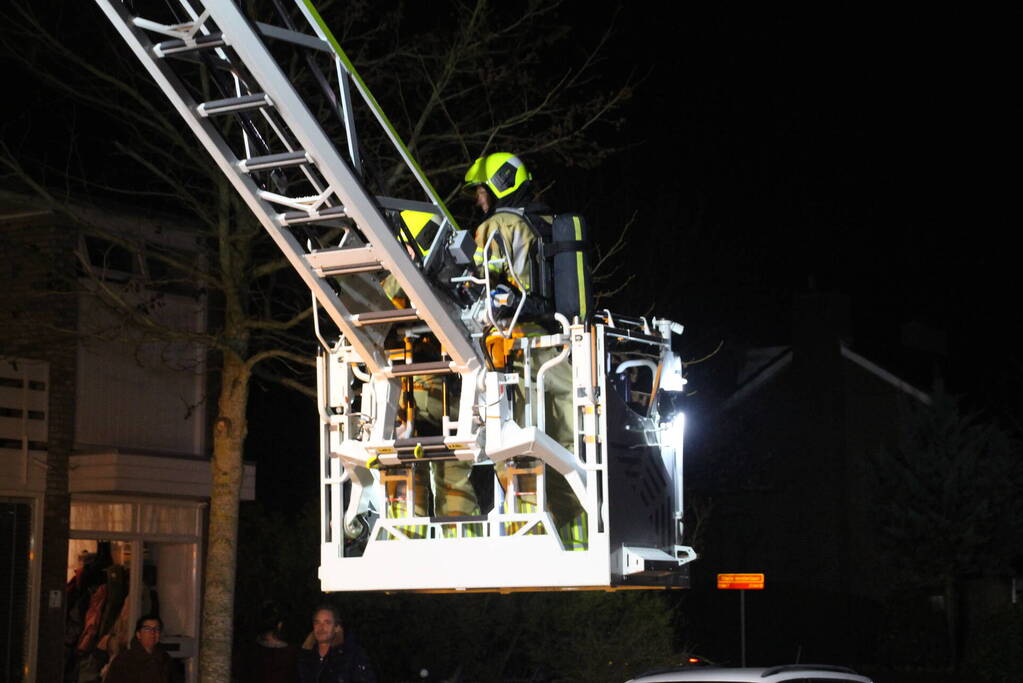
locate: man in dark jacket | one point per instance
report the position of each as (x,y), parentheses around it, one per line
(327,658)
(143,662)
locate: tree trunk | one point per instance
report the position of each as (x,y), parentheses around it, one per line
(218,598)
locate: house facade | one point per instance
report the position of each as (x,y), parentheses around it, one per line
(788,475)
(104,464)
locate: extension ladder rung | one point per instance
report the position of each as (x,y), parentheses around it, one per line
(323,215)
(439,367)
(269,161)
(398,315)
(399,461)
(536,469)
(334,262)
(428,456)
(178,46)
(232,104)
(453,519)
(428,443)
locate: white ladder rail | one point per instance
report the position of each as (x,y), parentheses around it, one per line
(225,158)
(358,204)
(344,64)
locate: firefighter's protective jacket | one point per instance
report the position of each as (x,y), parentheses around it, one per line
(519,242)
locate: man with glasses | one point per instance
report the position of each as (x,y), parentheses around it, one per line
(143,662)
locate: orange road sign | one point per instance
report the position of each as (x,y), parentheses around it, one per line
(753,582)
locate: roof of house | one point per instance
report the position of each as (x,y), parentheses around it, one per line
(763,364)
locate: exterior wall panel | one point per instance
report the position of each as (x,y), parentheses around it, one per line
(140,396)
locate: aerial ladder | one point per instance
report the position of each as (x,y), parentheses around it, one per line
(292,151)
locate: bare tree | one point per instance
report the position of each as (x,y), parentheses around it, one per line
(459,80)
(948,506)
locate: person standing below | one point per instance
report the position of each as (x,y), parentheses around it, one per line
(144,661)
(271,659)
(327,658)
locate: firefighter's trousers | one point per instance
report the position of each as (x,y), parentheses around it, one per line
(564,507)
(446,482)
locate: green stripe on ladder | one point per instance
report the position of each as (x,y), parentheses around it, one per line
(350,68)
(579,268)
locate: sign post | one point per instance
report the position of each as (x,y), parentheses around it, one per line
(741,583)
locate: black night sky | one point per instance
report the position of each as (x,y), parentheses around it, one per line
(788,151)
(771,153)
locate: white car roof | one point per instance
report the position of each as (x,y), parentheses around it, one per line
(774,674)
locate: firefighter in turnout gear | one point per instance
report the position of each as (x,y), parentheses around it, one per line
(423,405)
(502,186)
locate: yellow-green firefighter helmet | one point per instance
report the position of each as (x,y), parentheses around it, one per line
(423,227)
(501,173)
